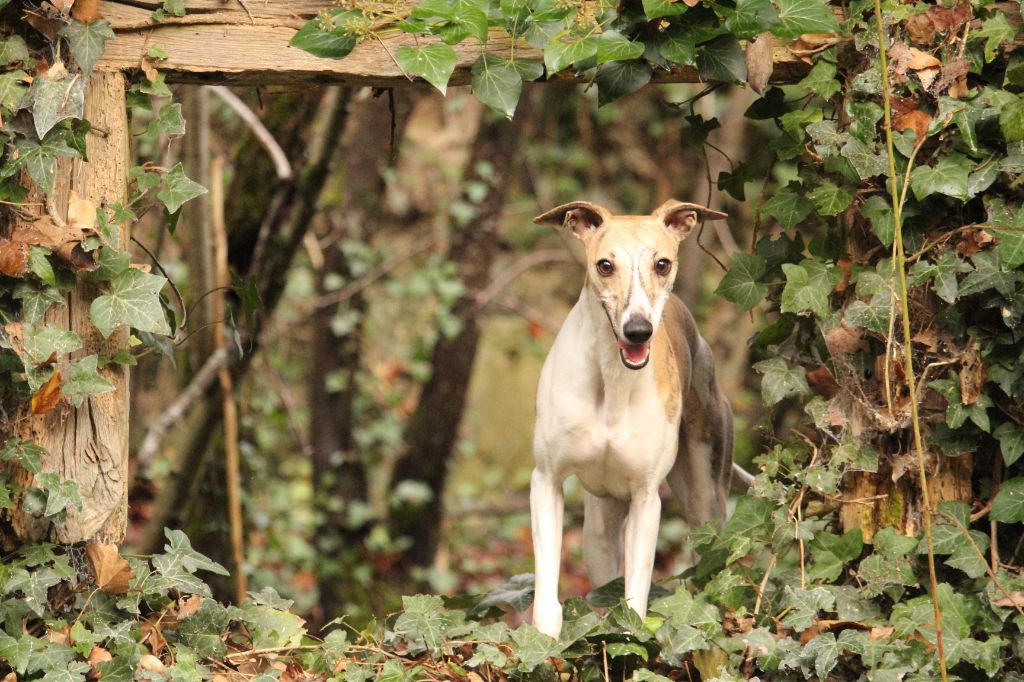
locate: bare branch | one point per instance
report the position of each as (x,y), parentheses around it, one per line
(277,155)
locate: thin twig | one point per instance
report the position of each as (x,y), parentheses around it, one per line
(908,353)
(282,166)
(174,412)
(232,456)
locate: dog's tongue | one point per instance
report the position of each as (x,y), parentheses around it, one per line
(634,353)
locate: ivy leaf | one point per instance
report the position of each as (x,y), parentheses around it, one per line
(1008,504)
(168,122)
(17,652)
(35,300)
(788,206)
(821,80)
(331,38)
(41,343)
(830,198)
(559,54)
(179,188)
(656,9)
(1011,120)
(722,59)
(823,651)
(1011,441)
(180,548)
(516,592)
(497,84)
(86,41)
(797,17)
(60,494)
(533,647)
(203,630)
(13,89)
(618,79)
(780,381)
(866,162)
(433,63)
(134,301)
(989,273)
(949,176)
(742,284)
(84,380)
(422,619)
(40,158)
(56,95)
(750,18)
(805,605)
(872,314)
(13,49)
(612,46)
(808,286)
(995,30)
(878,210)
(679,46)
(25,453)
(1010,247)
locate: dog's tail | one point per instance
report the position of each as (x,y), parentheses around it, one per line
(741,479)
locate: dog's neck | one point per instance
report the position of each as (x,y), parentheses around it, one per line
(614,382)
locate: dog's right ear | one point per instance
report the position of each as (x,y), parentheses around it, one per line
(582,217)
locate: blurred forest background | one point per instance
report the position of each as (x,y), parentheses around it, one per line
(385,408)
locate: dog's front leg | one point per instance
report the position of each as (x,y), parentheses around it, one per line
(546,507)
(641,540)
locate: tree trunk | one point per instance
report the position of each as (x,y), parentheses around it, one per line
(433,427)
(339,475)
(89,444)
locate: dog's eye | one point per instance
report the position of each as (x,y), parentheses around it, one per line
(663,266)
(605,267)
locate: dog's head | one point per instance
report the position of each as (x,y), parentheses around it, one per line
(631,264)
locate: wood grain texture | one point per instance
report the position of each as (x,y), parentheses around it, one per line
(89,444)
(247,44)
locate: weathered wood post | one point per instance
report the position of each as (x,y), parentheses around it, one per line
(89,444)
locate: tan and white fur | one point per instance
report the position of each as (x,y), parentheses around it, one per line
(627,398)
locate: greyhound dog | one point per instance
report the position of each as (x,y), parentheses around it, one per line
(627,397)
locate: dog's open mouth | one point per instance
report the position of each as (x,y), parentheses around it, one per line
(635,355)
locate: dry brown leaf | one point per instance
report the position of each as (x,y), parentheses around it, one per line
(81,215)
(153,634)
(148,69)
(920,29)
(10,677)
(881,633)
(1014,599)
(691,3)
(822,382)
(928,76)
(843,341)
(62,6)
(48,396)
(758,56)
(946,19)
(959,90)
(96,656)
(919,59)
(845,266)
(972,374)
(48,27)
(188,605)
(62,636)
(915,120)
(151,663)
(812,43)
(13,258)
(111,570)
(86,11)
(972,242)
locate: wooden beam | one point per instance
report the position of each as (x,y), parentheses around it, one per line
(245,42)
(88,444)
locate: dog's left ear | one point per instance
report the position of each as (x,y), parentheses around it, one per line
(681,217)
(582,217)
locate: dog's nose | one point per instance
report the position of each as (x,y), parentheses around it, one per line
(638,330)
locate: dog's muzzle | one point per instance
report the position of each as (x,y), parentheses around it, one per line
(635,350)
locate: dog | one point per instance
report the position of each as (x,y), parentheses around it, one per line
(627,398)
